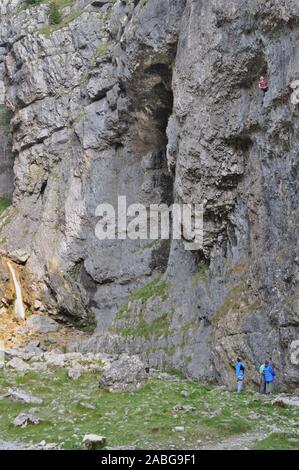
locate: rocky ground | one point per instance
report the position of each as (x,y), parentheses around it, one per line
(39,328)
(52,399)
(165,412)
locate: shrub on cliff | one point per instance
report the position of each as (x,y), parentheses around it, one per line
(32,2)
(54,13)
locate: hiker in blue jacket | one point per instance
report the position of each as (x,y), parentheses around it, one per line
(269,376)
(240,372)
(262,378)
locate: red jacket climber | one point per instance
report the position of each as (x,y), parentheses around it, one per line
(263,84)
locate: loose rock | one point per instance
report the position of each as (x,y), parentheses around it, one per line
(93,442)
(23,397)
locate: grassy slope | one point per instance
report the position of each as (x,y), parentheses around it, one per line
(144,418)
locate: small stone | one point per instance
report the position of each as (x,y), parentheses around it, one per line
(23,419)
(184,408)
(178,429)
(74,373)
(38,305)
(88,406)
(93,442)
(185,393)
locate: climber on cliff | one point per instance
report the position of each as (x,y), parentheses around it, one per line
(240,372)
(263,85)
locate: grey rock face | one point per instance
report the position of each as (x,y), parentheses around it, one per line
(6,157)
(159,102)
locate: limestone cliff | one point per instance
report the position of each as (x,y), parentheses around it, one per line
(156,100)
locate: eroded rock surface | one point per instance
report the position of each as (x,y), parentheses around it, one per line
(158,101)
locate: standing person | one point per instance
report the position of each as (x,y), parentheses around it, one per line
(240,372)
(269,376)
(262,379)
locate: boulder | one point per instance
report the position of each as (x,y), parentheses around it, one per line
(33,346)
(38,366)
(126,373)
(23,419)
(75,371)
(184,408)
(23,397)
(38,305)
(42,324)
(18,364)
(93,442)
(286,400)
(178,429)
(54,361)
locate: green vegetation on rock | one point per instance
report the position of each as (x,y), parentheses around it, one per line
(54,13)
(135,322)
(237,301)
(159,327)
(4,204)
(5,116)
(102,49)
(201,275)
(156,288)
(33,2)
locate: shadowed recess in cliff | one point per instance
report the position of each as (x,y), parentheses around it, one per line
(152,102)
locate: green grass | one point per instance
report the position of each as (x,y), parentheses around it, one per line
(279,441)
(144,418)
